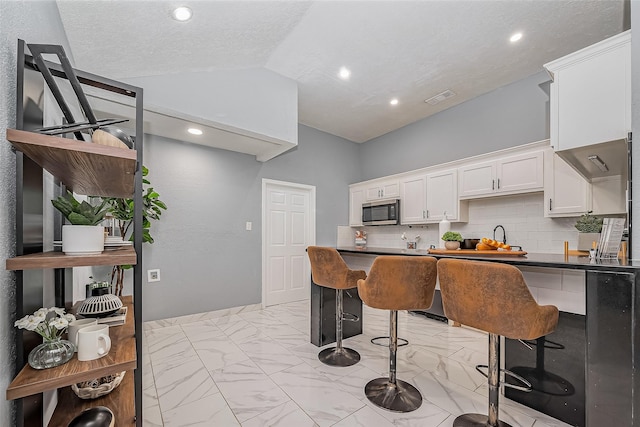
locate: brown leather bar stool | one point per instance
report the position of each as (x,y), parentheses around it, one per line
(397,283)
(328,269)
(494,298)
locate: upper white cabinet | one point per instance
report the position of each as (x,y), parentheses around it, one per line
(506,175)
(442,196)
(426,197)
(413,196)
(566,192)
(383,189)
(356,199)
(590,99)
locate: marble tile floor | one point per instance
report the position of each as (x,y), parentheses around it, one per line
(257,368)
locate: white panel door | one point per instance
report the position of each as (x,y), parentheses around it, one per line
(289,228)
(477,179)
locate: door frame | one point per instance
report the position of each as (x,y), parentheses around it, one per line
(311,232)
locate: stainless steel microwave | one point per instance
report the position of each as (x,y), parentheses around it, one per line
(383,212)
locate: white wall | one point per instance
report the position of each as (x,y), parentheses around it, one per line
(257,100)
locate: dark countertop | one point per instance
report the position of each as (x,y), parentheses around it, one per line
(530,260)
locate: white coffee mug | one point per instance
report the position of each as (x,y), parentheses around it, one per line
(75,326)
(93,342)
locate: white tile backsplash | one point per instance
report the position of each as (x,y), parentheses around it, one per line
(521,215)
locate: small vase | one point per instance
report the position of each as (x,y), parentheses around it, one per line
(51,353)
(452,245)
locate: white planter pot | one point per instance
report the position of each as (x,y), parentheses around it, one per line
(452,245)
(585,240)
(82,239)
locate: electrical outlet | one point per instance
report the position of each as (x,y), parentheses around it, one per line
(248,226)
(153,275)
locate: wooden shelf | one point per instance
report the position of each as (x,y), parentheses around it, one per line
(54,259)
(84,167)
(121,357)
(121,401)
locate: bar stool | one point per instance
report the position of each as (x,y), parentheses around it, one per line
(397,283)
(494,298)
(328,269)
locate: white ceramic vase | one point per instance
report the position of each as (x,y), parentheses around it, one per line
(82,239)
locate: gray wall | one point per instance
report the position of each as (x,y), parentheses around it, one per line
(511,115)
(34,22)
(208,261)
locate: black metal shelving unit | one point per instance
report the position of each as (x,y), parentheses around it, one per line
(27,175)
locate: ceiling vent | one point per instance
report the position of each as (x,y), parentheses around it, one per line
(440,97)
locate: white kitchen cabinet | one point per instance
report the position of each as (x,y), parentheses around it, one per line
(609,195)
(516,174)
(383,190)
(566,192)
(442,196)
(590,100)
(413,195)
(425,198)
(356,199)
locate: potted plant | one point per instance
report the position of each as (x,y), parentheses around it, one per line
(50,324)
(589,227)
(84,236)
(452,240)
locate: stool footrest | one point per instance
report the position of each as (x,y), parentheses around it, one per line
(525,388)
(349,317)
(401,341)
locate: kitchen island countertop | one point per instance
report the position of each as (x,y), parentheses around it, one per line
(531,259)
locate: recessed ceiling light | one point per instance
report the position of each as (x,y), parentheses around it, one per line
(344,73)
(194,131)
(394,101)
(182,13)
(514,38)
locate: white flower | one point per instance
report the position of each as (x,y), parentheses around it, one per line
(41,312)
(50,323)
(32,323)
(59,323)
(58,311)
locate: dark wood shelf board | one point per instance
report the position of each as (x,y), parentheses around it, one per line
(84,167)
(121,402)
(121,357)
(121,256)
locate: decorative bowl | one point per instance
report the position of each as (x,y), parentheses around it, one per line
(98,387)
(98,416)
(100,306)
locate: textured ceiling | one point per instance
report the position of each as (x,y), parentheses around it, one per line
(411,50)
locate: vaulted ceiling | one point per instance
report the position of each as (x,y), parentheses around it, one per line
(408,50)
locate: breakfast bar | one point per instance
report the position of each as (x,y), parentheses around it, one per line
(597,386)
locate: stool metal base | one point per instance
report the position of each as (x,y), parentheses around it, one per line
(476,420)
(339,357)
(399,397)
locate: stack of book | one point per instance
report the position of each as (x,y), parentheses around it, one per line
(610,237)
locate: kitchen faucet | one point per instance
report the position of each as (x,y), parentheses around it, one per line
(504,234)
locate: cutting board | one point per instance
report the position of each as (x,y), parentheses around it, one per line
(467,252)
